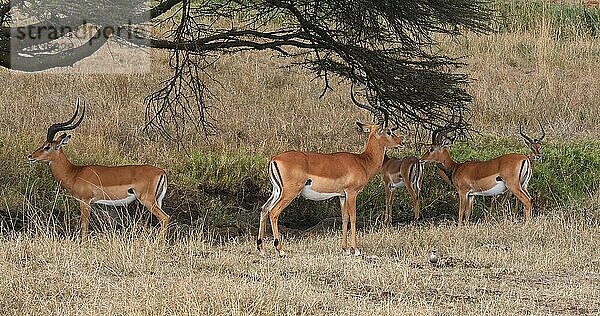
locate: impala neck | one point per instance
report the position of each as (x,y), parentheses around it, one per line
(447,163)
(373,155)
(63,170)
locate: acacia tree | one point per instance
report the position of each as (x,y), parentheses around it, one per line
(387,46)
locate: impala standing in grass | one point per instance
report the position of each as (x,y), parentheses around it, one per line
(535,145)
(402,172)
(487,178)
(319,177)
(117,186)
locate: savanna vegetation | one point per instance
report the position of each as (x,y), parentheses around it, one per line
(540,65)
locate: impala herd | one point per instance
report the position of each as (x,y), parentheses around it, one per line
(315,176)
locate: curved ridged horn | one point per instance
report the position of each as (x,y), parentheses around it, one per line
(436,135)
(523,134)
(369,107)
(66,126)
(542,128)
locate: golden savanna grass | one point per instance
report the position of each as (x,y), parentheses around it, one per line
(488,268)
(549,266)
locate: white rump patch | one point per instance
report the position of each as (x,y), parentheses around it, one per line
(499,188)
(310,194)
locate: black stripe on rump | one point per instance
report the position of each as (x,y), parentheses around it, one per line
(411,174)
(161,181)
(277,176)
(521,169)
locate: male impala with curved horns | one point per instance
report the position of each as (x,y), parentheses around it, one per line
(319,177)
(487,178)
(117,186)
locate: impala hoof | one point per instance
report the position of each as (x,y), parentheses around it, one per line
(357,252)
(281,254)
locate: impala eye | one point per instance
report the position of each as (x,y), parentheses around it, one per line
(47,147)
(431,149)
(389,133)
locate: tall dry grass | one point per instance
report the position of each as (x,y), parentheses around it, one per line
(265,107)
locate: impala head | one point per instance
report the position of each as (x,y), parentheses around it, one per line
(534,144)
(51,148)
(383,135)
(438,150)
(378,132)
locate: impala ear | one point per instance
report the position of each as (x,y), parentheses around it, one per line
(363,127)
(63,140)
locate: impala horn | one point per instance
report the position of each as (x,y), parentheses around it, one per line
(438,134)
(543,133)
(527,138)
(368,107)
(66,126)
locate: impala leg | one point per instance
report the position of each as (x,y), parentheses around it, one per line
(523,196)
(469,208)
(153,206)
(518,187)
(389,200)
(351,209)
(345,219)
(274,217)
(418,189)
(264,212)
(85,219)
(414,197)
(462,202)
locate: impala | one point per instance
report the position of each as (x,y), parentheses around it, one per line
(404,172)
(535,146)
(319,177)
(116,186)
(487,178)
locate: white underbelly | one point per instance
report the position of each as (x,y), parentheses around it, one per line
(310,194)
(499,188)
(121,202)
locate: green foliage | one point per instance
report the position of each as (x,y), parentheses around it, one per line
(568,174)
(565,20)
(229,189)
(222,170)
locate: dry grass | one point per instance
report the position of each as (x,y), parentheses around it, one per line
(548,267)
(265,107)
